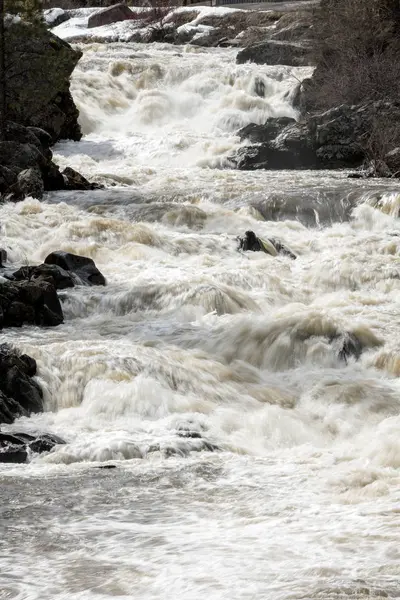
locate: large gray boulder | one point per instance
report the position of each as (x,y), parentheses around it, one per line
(39,67)
(112,14)
(275,52)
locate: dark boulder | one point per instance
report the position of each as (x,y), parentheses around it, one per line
(81,266)
(29,183)
(21,155)
(3,257)
(53,274)
(275,52)
(270,246)
(334,139)
(29,302)
(20,395)
(292,149)
(8,176)
(39,95)
(17,447)
(112,14)
(265,132)
(30,135)
(75,181)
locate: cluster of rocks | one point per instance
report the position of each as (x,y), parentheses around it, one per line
(28,296)
(20,395)
(334,139)
(40,111)
(27,169)
(284,32)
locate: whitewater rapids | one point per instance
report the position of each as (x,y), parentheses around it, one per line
(251,461)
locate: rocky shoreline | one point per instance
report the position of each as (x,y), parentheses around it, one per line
(28,296)
(40,111)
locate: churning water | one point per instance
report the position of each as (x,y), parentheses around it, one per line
(251,461)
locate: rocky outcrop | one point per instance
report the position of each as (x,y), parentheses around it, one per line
(82,268)
(61,270)
(39,68)
(337,138)
(275,52)
(29,303)
(266,132)
(20,395)
(112,14)
(27,169)
(16,447)
(40,110)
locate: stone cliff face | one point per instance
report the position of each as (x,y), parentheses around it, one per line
(39,66)
(40,111)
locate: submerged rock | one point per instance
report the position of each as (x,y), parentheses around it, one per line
(270,246)
(20,395)
(82,267)
(16,447)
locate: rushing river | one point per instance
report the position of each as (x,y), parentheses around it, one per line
(252,463)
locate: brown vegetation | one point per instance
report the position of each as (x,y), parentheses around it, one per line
(356,52)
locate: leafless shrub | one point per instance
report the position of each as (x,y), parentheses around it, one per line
(381,138)
(356,49)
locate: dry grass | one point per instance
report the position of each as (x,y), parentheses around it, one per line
(357,52)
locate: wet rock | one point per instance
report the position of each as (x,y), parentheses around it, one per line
(75,181)
(13,454)
(275,52)
(20,395)
(29,135)
(334,139)
(8,176)
(53,274)
(265,132)
(51,62)
(270,246)
(16,447)
(112,14)
(29,302)
(21,155)
(3,257)
(185,447)
(55,16)
(293,148)
(349,345)
(81,266)
(29,183)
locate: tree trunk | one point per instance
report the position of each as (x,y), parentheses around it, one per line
(2,75)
